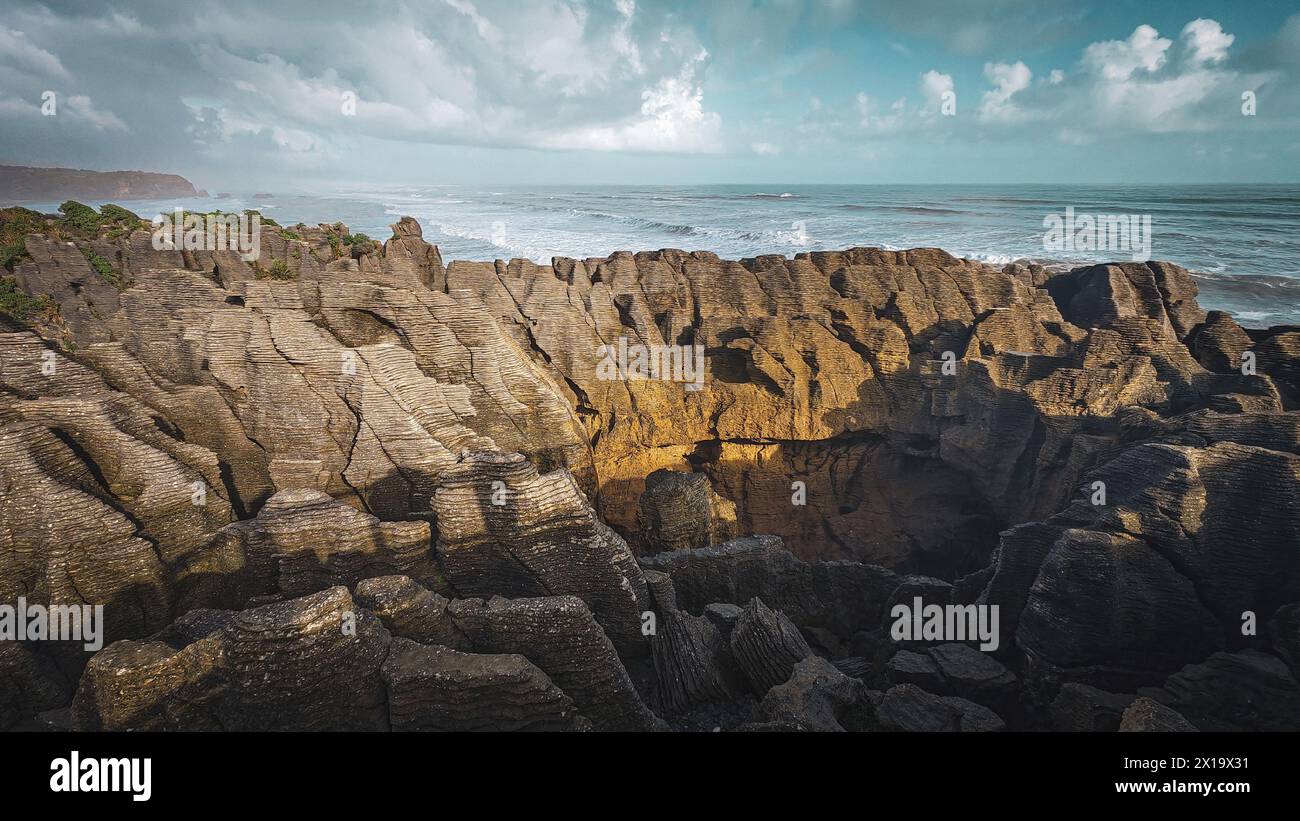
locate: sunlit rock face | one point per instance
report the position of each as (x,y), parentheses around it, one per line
(647,491)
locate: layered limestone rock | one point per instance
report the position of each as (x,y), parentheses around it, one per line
(307,664)
(948,382)
(766,646)
(819,698)
(1234,692)
(956,670)
(303,541)
(434,688)
(680,511)
(504,529)
(1147,716)
(1188,541)
(557,634)
(227,445)
(842,596)
(693,663)
(353,376)
(908,708)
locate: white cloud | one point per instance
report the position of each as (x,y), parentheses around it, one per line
(1127,86)
(21,55)
(1206,41)
(933,87)
(1007,78)
(672,120)
(871,119)
(553,75)
(621,40)
(80,107)
(486,30)
(764,149)
(1118,59)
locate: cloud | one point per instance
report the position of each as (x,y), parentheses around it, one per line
(1117,59)
(603,75)
(934,86)
(18,54)
(1206,42)
(1142,84)
(672,119)
(81,108)
(261,87)
(488,32)
(877,122)
(1007,79)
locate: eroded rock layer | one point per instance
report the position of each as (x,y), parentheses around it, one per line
(344,486)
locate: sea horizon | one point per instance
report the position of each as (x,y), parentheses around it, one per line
(1231,236)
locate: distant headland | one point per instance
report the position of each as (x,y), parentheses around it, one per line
(25,184)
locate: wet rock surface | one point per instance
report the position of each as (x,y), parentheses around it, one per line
(373,491)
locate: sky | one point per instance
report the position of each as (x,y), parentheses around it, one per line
(299,96)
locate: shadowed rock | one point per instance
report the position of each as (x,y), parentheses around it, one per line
(766,646)
(680,511)
(505,530)
(1147,716)
(559,635)
(692,663)
(439,689)
(300,542)
(842,596)
(819,698)
(1081,708)
(1246,691)
(955,670)
(908,708)
(306,664)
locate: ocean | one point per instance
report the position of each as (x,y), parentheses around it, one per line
(1241,241)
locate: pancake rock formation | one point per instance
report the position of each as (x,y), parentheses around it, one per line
(342,485)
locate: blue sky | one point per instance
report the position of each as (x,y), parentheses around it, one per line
(321,94)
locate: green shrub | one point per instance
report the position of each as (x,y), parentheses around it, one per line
(263,217)
(15,224)
(104,268)
(279,270)
(119,220)
(79,219)
(13,253)
(117,215)
(17,305)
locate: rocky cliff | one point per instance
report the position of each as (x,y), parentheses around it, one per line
(345,485)
(25,184)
